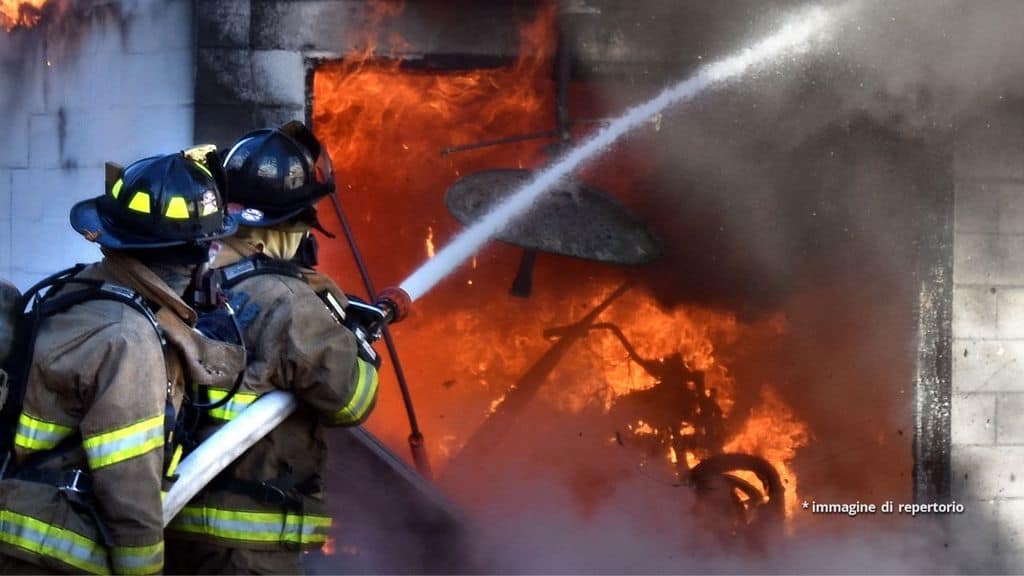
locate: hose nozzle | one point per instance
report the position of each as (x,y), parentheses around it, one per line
(395,302)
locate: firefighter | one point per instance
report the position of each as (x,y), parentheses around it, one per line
(268,507)
(107,376)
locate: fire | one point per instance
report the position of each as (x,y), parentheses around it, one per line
(429,242)
(466,344)
(773,432)
(20,13)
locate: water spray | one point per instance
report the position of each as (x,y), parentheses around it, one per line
(794,38)
(218,451)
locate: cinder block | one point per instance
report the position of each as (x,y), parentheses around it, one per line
(1010,304)
(988,366)
(157,78)
(221,124)
(977,258)
(983,472)
(158,26)
(974,418)
(277,115)
(14,139)
(5,193)
(279,77)
(5,247)
(1011,208)
(990,149)
(223,23)
(1010,517)
(977,207)
(974,312)
(323,26)
(1009,423)
(44,247)
(168,129)
(44,141)
(974,537)
(224,76)
(1011,251)
(30,191)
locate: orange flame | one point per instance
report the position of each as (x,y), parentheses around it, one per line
(384,126)
(773,432)
(20,13)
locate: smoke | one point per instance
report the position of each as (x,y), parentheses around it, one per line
(807,189)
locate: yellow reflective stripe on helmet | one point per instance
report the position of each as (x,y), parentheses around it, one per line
(140,202)
(124,443)
(240,401)
(248,526)
(52,541)
(35,434)
(363,398)
(115,190)
(138,559)
(177,208)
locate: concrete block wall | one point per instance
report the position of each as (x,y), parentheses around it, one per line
(112,81)
(254,57)
(988,330)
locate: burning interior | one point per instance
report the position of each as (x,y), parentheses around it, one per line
(760,352)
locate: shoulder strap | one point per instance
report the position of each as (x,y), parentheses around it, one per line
(257,265)
(45,299)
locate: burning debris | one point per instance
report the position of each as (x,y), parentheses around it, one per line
(20,13)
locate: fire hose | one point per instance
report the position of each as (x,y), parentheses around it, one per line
(218,451)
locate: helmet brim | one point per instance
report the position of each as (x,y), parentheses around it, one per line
(85,219)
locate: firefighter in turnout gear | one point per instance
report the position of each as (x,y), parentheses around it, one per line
(268,507)
(83,493)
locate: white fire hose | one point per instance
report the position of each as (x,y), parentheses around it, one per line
(222,448)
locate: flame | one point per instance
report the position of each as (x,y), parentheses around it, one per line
(466,342)
(429,242)
(20,13)
(330,547)
(773,432)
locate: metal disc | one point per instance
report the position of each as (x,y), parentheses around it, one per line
(573,219)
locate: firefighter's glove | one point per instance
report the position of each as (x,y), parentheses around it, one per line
(366,322)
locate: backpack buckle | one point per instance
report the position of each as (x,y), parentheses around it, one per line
(73,485)
(272,494)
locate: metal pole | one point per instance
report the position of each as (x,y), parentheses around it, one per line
(416,446)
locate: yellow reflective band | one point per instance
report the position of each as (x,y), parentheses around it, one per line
(115,190)
(177,209)
(138,559)
(124,443)
(52,541)
(240,401)
(140,202)
(248,526)
(363,398)
(35,434)
(175,460)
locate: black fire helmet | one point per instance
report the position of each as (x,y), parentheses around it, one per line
(157,202)
(277,174)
